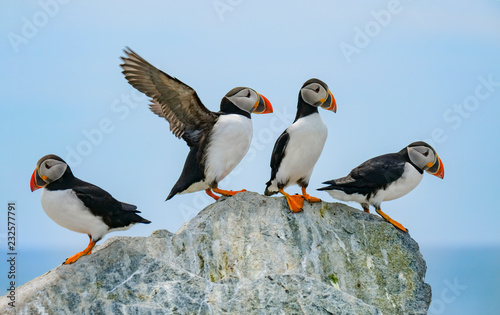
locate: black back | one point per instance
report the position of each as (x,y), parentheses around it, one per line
(194,166)
(192,172)
(114,213)
(372,175)
(276,158)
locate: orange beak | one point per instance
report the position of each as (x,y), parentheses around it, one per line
(36,181)
(439,172)
(263,106)
(330,103)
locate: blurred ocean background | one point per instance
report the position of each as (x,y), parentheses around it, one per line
(400,71)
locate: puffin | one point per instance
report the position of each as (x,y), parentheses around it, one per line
(387,177)
(80,206)
(217,141)
(299,147)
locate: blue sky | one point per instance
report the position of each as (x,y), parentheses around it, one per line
(401,71)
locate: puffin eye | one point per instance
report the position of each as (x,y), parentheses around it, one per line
(317,90)
(248,95)
(426,153)
(47,166)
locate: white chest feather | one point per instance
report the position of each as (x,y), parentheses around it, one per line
(408,181)
(306,142)
(229,142)
(64,208)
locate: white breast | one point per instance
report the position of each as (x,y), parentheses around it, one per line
(64,208)
(406,183)
(306,142)
(340,195)
(229,142)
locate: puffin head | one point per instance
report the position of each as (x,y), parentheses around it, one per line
(48,169)
(316,93)
(425,157)
(249,100)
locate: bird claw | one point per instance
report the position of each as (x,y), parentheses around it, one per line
(308,197)
(311,198)
(77,256)
(73,258)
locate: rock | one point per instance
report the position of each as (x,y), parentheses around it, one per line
(246,254)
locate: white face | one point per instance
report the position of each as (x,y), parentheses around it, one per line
(51,170)
(422,156)
(314,94)
(246,99)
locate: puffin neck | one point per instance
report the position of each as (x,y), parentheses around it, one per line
(227,107)
(304,109)
(404,154)
(64,182)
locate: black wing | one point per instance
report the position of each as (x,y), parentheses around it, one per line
(278,154)
(191,173)
(113,212)
(375,173)
(172,99)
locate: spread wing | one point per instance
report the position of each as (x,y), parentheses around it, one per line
(177,102)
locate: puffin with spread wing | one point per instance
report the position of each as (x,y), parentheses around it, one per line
(218,141)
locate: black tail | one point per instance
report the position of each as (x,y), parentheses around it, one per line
(131,215)
(267,192)
(332,185)
(191,173)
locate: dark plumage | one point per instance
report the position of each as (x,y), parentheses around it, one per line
(371,176)
(387,177)
(190,120)
(298,148)
(78,205)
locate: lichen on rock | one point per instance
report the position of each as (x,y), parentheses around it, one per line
(244,254)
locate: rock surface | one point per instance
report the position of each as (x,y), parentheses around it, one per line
(245,254)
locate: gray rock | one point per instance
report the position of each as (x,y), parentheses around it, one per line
(246,254)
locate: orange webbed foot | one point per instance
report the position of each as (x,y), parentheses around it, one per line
(391,221)
(309,197)
(77,256)
(74,258)
(312,199)
(227,192)
(295,202)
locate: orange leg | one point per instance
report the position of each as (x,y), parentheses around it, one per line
(211,194)
(227,192)
(77,256)
(391,221)
(295,202)
(308,197)
(366,207)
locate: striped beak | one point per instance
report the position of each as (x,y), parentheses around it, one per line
(36,181)
(437,169)
(263,106)
(330,103)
